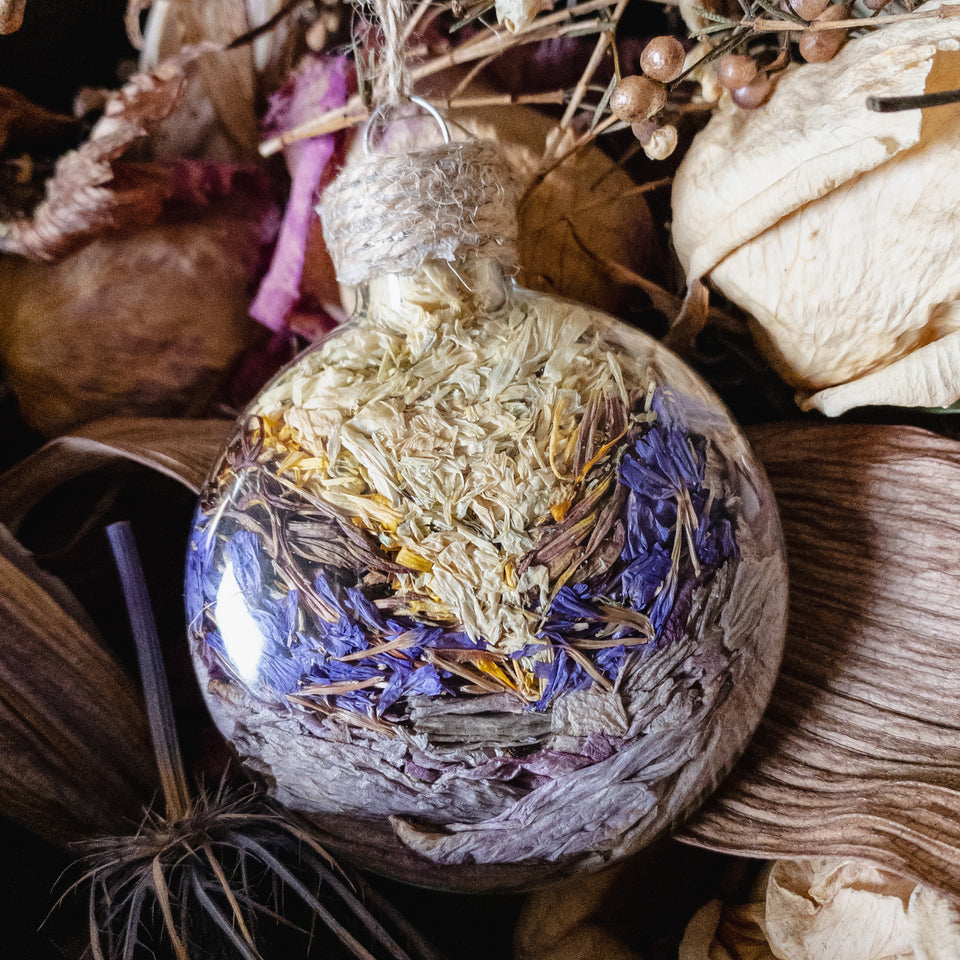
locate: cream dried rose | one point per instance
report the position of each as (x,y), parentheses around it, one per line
(835,226)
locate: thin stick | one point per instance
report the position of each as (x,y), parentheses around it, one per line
(762,25)
(603,41)
(163,729)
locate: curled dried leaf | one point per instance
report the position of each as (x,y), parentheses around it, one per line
(91,191)
(859,751)
(75,754)
(834,225)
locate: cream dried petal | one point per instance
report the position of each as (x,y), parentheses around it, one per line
(835,225)
(837,910)
(936,922)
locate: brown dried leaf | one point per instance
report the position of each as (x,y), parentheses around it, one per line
(184,450)
(22,120)
(75,753)
(141,323)
(89,193)
(859,751)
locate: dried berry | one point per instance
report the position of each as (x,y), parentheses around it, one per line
(663,58)
(753,94)
(817,46)
(637,98)
(736,70)
(644,130)
(809,9)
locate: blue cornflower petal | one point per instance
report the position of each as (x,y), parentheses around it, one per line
(243,553)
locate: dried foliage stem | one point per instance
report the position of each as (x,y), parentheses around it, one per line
(163,729)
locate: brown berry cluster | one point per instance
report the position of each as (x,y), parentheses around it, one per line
(749,82)
(637,99)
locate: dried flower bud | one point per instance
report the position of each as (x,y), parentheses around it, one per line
(735,70)
(810,9)
(753,94)
(637,98)
(662,142)
(817,46)
(662,59)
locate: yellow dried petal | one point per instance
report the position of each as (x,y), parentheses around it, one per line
(413,560)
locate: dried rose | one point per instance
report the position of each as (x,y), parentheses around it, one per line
(836,226)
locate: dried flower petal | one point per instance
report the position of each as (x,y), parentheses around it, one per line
(762,198)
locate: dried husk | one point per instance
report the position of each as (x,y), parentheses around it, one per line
(183,450)
(835,226)
(144,322)
(859,752)
(75,755)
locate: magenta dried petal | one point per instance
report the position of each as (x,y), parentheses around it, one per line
(320,85)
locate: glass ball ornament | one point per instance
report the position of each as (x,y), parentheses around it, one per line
(488,583)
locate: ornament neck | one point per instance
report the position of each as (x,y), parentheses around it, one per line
(437,292)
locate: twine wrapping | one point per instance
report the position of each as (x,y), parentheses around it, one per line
(390,214)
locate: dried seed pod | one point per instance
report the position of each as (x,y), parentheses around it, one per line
(662,59)
(817,46)
(735,70)
(637,98)
(754,94)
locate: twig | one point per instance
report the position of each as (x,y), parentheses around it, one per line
(761,25)
(163,730)
(603,41)
(250,35)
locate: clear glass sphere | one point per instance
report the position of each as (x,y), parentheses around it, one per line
(488,583)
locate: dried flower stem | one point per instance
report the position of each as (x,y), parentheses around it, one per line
(156,692)
(761,25)
(603,41)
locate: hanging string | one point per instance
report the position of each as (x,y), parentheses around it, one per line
(392,85)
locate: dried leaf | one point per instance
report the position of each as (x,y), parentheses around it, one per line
(21,120)
(828,910)
(184,450)
(219,115)
(89,192)
(143,323)
(766,200)
(74,749)
(859,751)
